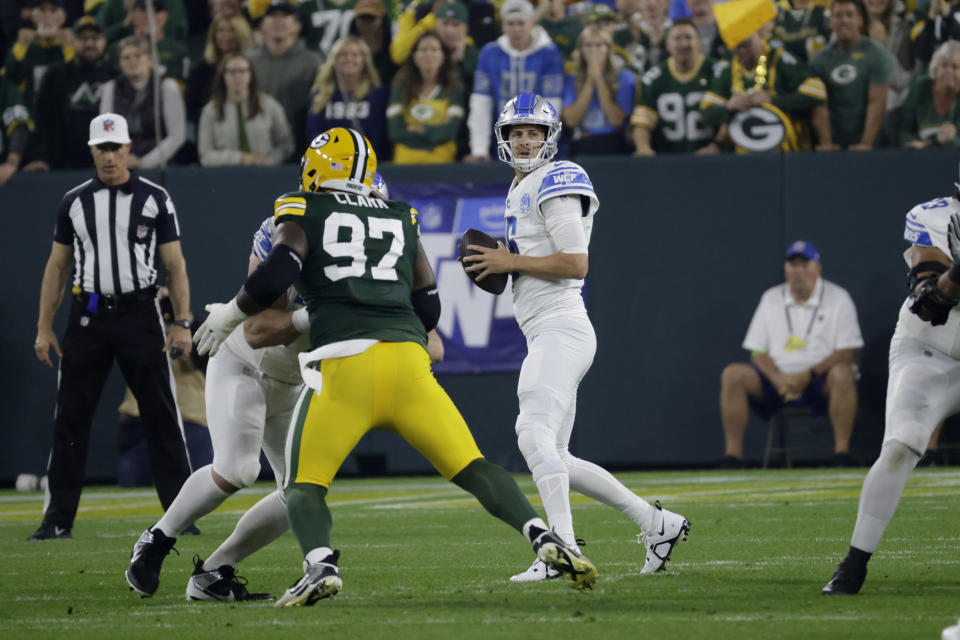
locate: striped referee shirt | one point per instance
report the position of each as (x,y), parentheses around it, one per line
(115,232)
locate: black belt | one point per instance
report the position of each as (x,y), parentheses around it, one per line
(110,302)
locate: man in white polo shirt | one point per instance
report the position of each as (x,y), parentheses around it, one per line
(801,340)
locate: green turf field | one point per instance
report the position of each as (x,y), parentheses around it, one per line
(421,560)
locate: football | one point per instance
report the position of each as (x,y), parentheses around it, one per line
(493,283)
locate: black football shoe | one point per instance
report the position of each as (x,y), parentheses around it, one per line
(50,531)
(143,574)
(847,579)
(222,585)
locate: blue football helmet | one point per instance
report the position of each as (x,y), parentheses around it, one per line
(527,108)
(379,186)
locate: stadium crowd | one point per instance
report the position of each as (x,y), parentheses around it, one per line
(251,82)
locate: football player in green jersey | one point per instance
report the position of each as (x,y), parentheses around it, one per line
(371,295)
(666,116)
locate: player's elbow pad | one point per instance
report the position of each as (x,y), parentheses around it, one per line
(274,275)
(426,304)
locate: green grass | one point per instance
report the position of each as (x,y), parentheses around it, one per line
(421,560)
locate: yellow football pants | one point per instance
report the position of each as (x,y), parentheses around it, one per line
(389,386)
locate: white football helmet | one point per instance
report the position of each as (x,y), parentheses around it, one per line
(527,108)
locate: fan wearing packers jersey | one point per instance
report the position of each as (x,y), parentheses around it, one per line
(764,96)
(371,296)
(666,118)
(549,217)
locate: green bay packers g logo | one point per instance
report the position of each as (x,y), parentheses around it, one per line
(757,130)
(844,74)
(422,112)
(320,140)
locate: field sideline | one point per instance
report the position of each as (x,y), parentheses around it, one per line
(421,560)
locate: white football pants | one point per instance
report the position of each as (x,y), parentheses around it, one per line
(246,411)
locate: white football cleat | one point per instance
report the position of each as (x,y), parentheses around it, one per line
(538,571)
(951,633)
(658,543)
(320,580)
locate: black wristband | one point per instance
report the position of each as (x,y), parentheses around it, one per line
(183,322)
(954,273)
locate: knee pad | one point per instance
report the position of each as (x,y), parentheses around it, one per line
(539,449)
(239,473)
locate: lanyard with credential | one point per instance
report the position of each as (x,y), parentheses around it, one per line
(796,343)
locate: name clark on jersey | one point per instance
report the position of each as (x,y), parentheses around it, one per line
(358,200)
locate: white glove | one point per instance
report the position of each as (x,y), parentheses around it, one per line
(953,237)
(221,322)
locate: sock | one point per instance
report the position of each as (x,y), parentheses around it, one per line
(497,491)
(881,494)
(555,494)
(533,528)
(316,555)
(858,556)
(263,523)
(309,515)
(596,482)
(198,496)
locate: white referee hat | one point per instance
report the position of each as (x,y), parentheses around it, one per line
(108,127)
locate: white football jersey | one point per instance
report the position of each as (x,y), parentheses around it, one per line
(926,226)
(534,299)
(280,362)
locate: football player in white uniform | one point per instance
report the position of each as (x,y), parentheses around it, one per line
(549,217)
(924,382)
(250,394)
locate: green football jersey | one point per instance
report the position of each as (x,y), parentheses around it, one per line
(802,32)
(325,21)
(668,104)
(564,34)
(848,76)
(792,85)
(358,275)
(26,65)
(919,119)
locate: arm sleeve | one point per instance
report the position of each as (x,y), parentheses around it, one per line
(713,106)
(801,88)
(479,122)
(175,122)
(408,30)
(644,110)
(563,217)
(396,123)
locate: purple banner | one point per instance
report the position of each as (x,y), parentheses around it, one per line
(479,330)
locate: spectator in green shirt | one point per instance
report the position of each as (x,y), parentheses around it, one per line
(858,73)
(563,29)
(114,16)
(37,49)
(930,115)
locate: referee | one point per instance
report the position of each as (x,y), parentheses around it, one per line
(114,225)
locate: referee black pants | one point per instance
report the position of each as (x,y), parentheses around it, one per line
(133,335)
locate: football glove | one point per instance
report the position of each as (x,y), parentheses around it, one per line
(953,237)
(930,304)
(221,322)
